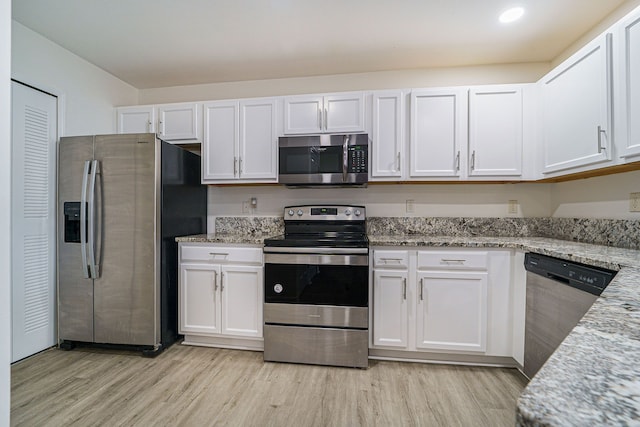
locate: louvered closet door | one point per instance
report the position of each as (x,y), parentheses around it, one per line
(33,220)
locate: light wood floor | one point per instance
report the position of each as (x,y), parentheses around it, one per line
(196,386)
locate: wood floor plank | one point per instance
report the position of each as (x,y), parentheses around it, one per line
(197,386)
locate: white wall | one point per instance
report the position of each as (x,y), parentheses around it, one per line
(88,92)
(600,197)
(5,219)
(452,200)
(459,76)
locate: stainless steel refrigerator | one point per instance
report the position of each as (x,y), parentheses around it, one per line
(122,200)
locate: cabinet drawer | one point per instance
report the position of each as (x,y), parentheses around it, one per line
(391,259)
(220,254)
(453,260)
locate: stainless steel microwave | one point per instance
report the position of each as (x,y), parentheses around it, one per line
(323,160)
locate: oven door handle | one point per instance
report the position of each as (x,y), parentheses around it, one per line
(311,259)
(345,158)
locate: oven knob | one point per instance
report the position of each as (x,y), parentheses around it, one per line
(299,212)
(347,212)
(357,212)
(290,212)
(277,288)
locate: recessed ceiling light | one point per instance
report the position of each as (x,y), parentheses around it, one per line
(511,15)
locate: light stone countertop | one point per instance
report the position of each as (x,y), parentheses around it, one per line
(593,378)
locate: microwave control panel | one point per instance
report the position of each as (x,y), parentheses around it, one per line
(358,159)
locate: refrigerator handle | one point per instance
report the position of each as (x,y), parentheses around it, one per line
(91,243)
(83,220)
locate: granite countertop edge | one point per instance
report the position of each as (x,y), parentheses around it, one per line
(593,377)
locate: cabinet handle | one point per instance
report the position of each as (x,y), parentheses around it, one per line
(421,288)
(240,166)
(600,132)
(398,161)
(326,118)
(221,282)
(453,261)
(215,282)
(149,126)
(219,253)
(235,166)
(320,118)
(391,260)
(161,127)
(404,288)
(473,160)
(458,161)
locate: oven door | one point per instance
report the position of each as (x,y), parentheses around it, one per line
(315,279)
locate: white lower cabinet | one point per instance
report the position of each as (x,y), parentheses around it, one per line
(220,295)
(451,311)
(442,301)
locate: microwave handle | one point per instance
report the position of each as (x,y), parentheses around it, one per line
(345,158)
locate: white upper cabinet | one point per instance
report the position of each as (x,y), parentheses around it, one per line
(627,37)
(140,119)
(171,122)
(240,141)
(179,122)
(438,123)
(258,143)
(387,136)
(219,159)
(332,113)
(576,109)
(495,131)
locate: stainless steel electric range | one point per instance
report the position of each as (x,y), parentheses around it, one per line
(317,287)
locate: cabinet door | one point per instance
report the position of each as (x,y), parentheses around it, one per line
(387,136)
(136,119)
(390,313)
(303,114)
(344,113)
(451,311)
(199,299)
(576,109)
(219,158)
(179,121)
(258,144)
(436,132)
(628,55)
(242,300)
(495,131)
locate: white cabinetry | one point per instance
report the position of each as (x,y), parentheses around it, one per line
(576,109)
(240,141)
(178,122)
(171,122)
(140,119)
(387,136)
(329,113)
(220,295)
(495,131)
(438,124)
(627,42)
(442,301)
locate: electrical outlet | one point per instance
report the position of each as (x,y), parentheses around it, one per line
(634,202)
(410,206)
(246,207)
(513,207)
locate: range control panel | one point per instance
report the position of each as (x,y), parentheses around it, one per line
(325,213)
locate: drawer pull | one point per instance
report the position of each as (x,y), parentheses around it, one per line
(219,253)
(395,260)
(458,261)
(314,315)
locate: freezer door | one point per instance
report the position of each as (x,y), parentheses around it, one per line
(126,295)
(75,287)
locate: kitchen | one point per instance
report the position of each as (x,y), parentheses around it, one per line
(603,197)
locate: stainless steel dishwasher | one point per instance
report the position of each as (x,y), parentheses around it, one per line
(559,293)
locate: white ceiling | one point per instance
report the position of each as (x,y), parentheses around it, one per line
(159,43)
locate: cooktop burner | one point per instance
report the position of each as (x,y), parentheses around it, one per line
(335,226)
